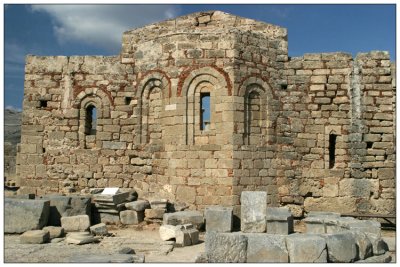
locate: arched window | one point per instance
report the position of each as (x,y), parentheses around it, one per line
(254,115)
(90,120)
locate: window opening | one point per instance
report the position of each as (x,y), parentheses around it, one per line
(205,111)
(332,148)
(90,123)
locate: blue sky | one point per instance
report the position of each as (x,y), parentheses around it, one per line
(97,30)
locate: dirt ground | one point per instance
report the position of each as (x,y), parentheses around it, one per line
(144,240)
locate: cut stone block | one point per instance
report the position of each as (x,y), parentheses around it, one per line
(366,226)
(77,223)
(99,229)
(108,218)
(183,217)
(54,231)
(253,212)
(138,205)
(154,213)
(219,219)
(194,236)
(168,232)
(341,247)
(364,245)
(80,205)
(315,225)
(226,247)
(21,215)
(306,248)
(35,237)
(182,238)
(131,217)
(115,199)
(159,204)
(262,247)
(279,221)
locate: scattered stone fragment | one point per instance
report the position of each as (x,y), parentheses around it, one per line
(201,258)
(21,215)
(126,250)
(80,238)
(304,248)
(219,219)
(182,238)
(54,231)
(138,205)
(379,246)
(57,240)
(253,211)
(131,217)
(75,223)
(183,217)
(99,229)
(194,236)
(35,237)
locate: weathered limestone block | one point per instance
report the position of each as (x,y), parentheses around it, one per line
(108,218)
(226,247)
(131,217)
(279,221)
(183,217)
(77,223)
(219,219)
(138,205)
(262,247)
(99,229)
(35,237)
(253,211)
(54,231)
(341,247)
(306,248)
(384,258)
(315,225)
(159,204)
(168,232)
(182,238)
(21,215)
(154,213)
(364,245)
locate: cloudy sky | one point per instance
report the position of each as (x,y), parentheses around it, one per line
(97,30)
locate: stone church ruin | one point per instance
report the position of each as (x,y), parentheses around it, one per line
(199,108)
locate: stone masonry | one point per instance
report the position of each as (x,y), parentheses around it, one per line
(316,131)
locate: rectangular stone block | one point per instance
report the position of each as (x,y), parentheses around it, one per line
(79,223)
(341,247)
(35,237)
(183,217)
(306,248)
(219,219)
(279,221)
(262,247)
(21,215)
(154,213)
(226,247)
(131,217)
(253,211)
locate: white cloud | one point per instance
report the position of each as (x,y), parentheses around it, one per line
(102,25)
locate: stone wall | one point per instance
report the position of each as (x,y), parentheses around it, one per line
(135,120)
